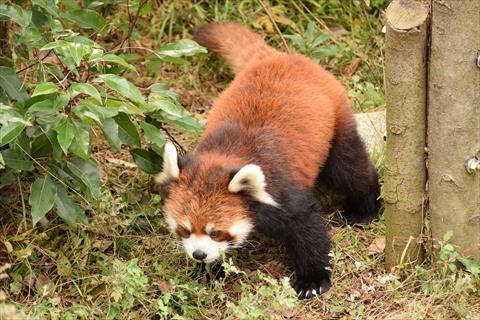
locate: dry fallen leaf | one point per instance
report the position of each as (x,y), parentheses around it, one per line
(352,67)
(120,162)
(102,244)
(377,246)
(164,286)
(44,284)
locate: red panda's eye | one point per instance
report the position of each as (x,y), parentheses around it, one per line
(183,232)
(215,234)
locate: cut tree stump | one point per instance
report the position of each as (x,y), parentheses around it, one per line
(406,92)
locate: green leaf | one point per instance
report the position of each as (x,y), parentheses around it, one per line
(127,130)
(299,41)
(153,135)
(62,100)
(311,31)
(160,103)
(12,85)
(81,142)
(326,51)
(112,58)
(448,235)
(87,172)
(58,44)
(71,52)
(46,106)
(65,133)
(87,89)
(320,39)
(7,177)
(17,14)
(55,145)
(2,162)
(123,87)
(111,131)
(187,123)
(86,18)
(49,6)
(42,197)
(181,48)
(54,70)
(45,88)
(82,40)
(10,115)
(89,108)
(41,146)
(10,132)
(68,210)
(147,161)
(77,51)
(30,34)
(16,160)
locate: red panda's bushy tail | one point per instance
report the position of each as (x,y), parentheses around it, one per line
(233,42)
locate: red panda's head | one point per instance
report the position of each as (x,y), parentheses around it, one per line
(205,204)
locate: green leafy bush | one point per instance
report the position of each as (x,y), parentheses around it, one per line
(61,85)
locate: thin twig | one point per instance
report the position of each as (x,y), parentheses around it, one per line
(174,140)
(275,25)
(52,175)
(404,253)
(24,210)
(321,23)
(132,24)
(35,63)
(129,16)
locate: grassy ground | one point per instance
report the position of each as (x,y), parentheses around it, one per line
(125,265)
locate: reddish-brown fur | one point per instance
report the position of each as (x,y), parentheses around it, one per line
(290,121)
(304,111)
(189,197)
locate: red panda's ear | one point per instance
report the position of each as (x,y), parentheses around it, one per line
(251,179)
(170,168)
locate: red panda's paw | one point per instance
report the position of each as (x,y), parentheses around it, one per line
(310,287)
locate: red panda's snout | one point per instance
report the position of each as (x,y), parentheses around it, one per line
(208,246)
(205,240)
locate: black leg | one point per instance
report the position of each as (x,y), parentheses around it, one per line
(298,224)
(308,246)
(348,170)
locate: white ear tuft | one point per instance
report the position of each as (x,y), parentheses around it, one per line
(170,164)
(250,178)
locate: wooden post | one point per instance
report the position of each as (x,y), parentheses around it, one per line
(406,92)
(454,122)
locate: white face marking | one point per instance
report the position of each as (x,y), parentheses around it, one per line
(251,178)
(240,231)
(209,228)
(204,244)
(187,225)
(170,164)
(172,224)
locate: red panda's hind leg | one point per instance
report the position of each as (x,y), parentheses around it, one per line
(348,170)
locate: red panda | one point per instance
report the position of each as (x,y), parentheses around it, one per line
(283,126)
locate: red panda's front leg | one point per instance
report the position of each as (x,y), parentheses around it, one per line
(299,226)
(308,245)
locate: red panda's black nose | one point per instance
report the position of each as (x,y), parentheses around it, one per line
(199,255)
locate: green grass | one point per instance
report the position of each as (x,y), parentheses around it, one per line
(125,265)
